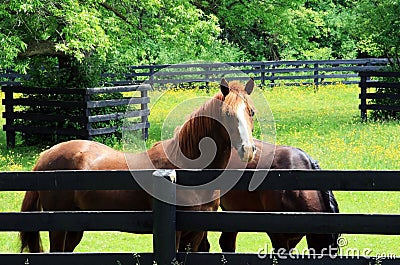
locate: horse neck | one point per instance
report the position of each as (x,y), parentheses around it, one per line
(203,124)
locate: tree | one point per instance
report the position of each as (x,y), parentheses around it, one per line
(122,32)
(260,28)
(272,30)
(377,27)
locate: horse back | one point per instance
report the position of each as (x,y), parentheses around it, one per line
(80,155)
(289,157)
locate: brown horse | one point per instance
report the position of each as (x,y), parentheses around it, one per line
(279,157)
(226,119)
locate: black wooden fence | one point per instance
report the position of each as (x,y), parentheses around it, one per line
(267,73)
(272,73)
(78,110)
(314,72)
(164,246)
(369,86)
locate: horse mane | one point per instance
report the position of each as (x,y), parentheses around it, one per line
(201,124)
(198,125)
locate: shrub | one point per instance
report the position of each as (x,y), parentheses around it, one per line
(66,73)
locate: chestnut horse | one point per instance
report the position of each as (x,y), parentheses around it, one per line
(226,119)
(279,157)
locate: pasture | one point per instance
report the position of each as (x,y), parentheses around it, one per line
(324,123)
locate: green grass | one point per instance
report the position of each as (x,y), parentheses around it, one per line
(324,123)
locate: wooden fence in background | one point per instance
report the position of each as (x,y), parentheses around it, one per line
(155,221)
(266,73)
(312,72)
(370,82)
(79,111)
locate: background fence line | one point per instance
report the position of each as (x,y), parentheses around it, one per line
(267,73)
(310,72)
(301,72)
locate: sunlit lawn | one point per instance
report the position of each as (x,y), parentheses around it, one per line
(324,123)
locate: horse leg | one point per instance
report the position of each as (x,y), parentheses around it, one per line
(292,243)
(204,244)
(192,241)
(285,242)
(178,236)
(227,241)
(57,201)
(280,242)
(57,241)
(72,240)
(322,244)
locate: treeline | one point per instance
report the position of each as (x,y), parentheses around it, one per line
(110,34)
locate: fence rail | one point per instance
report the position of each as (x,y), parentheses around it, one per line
(188,258)
(80,109)
(369,82)
(314,72)
(198,221)
(83,125)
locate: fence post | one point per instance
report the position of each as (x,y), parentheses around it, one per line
(9,110)
(273,74)
(143,107)
(263,74)
(363,95)
(151,75)
(316,75)
(87,113)
(164,217)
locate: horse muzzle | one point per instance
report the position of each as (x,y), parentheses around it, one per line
(247,153)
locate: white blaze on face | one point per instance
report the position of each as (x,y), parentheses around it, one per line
(245,133)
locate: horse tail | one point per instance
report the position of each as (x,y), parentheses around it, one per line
(328,196)
(31,239)
(329,201)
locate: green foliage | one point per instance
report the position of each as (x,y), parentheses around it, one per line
(297,29)
(120,32)
(377,27)
(64,72)
(259,28)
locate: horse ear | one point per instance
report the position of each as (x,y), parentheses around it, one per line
(249,86)
(224,87)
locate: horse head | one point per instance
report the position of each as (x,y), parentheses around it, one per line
(237,116)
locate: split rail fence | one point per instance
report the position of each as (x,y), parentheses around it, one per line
(267,73)
(308,72)
(374,94)
(164,220)
(271,73)
(75,117)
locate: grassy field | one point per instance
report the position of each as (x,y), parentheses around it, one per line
(324,123)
